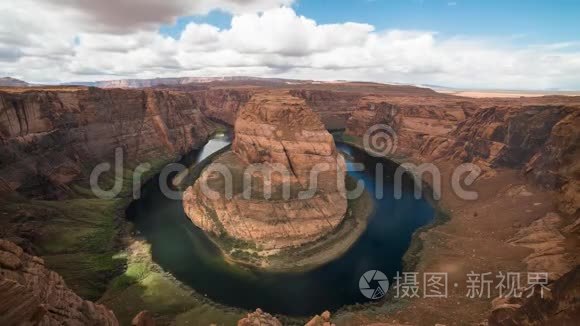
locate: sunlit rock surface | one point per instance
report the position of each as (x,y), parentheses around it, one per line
(274,132)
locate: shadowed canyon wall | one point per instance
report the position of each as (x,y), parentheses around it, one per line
(31,294)
(53,137)
(540,140)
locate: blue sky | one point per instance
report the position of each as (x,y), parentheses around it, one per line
(495,44)
(531,21)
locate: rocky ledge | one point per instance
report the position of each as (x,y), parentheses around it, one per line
(371,111)
(31,294)
(276,135)
(52,138)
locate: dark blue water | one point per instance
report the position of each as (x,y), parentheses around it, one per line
(185,251)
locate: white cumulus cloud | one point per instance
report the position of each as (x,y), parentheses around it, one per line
(65,40)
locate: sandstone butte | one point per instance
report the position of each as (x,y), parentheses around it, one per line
(274,131)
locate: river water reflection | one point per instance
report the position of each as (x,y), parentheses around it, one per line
(186,252)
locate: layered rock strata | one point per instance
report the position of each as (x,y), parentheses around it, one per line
(556,305)
(540,140)
(276,135)
(224,104)
(51,137)
(31,294)
(547,239)
(334,107)
(372,111)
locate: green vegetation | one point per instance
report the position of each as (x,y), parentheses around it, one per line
(78,237)
(228,243)
(212,215)
(219,128)
(208,315)
(351,139)
(244,255)
(144,286)
(136,271)
(86,240)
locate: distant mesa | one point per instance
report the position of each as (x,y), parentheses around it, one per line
(181,81)
(12,82)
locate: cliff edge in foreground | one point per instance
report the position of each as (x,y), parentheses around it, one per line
(31,294)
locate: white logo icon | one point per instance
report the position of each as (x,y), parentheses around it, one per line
(373,284)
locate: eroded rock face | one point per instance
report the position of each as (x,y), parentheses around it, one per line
(557,305)
(143,318)
(373,111)
(539,139)
(414,122)
(51,136)
(507,137)
(223,104)
(549,245)
(278,135)
(259,318)
(281,129)
(334,107)
(31,294)
(558,161)
(321,320)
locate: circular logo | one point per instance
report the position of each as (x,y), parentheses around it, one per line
(380,140)
(373,284)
